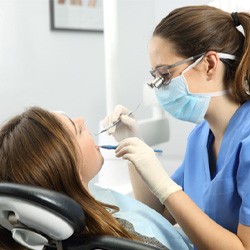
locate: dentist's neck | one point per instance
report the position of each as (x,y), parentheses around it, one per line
(220,111)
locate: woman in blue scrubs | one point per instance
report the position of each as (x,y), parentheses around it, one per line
(201,67)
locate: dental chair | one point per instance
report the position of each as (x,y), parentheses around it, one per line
(40,219)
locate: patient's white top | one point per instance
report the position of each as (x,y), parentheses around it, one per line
(145,220)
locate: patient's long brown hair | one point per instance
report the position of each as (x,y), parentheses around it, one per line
(36,149)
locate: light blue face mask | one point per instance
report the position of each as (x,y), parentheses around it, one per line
(176,99)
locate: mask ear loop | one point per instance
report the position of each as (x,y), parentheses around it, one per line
(212,94)
(193,64)
(189,67)
(221,55)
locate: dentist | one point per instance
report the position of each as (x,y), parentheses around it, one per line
(201,68)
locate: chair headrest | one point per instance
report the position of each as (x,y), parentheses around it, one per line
(31,213)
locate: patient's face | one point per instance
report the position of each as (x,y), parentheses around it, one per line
(91,158)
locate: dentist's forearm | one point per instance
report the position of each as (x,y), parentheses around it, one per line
(144,195)
(201,230)
(141,190)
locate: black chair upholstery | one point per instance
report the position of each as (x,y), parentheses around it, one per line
(40,218)
(105,242)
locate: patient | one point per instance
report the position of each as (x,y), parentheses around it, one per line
(50,150)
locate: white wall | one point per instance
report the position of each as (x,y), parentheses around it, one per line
(53,69)
(65,70)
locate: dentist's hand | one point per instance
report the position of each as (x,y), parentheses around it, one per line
(148,166)
(127,127)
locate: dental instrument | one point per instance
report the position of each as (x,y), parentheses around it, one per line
(117,121)
(114,147)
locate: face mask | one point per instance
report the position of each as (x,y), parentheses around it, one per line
(177,100)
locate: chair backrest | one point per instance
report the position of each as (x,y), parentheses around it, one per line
(43,219)
(36,216)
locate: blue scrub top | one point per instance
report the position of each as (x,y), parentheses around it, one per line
(224,196)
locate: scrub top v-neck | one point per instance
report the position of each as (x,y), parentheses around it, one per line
(223,195)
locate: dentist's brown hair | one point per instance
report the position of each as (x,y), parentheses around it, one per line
(193,30)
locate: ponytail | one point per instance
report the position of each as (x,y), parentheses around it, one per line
(241,84)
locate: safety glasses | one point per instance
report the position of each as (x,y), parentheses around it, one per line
(162,74)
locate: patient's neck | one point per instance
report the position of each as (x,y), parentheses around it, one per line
(85,184)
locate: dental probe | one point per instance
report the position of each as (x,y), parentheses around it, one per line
(114,147)
(117,121)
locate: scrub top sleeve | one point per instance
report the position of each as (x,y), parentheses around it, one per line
(243,182)
(178,176)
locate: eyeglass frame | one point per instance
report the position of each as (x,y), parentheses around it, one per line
(158,81)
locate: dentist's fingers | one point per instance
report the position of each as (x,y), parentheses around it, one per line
(135,141)
(125,124)
(105,123)
(111,130)
(128,120)
(131,146)
(123,144)
(148,166)
(119,111)
(124,151)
